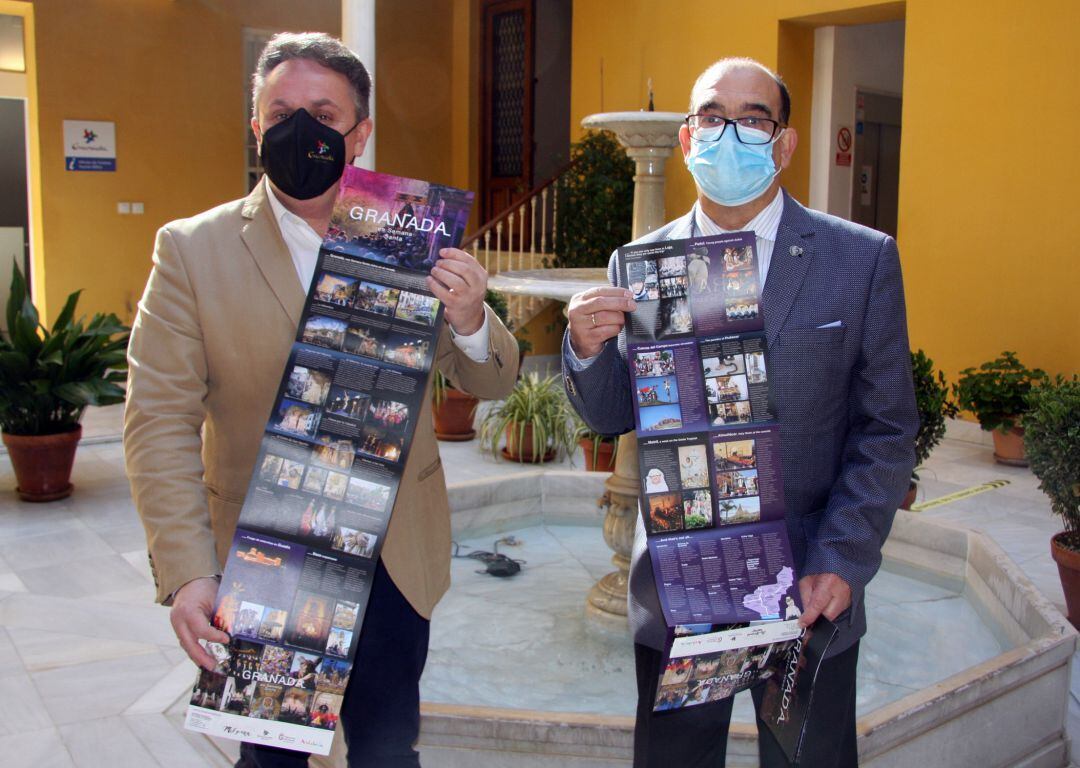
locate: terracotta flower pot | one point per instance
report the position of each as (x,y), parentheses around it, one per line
(43,463)
(454,416)
(909,499)
(604,453)
(524,452)
(1068,563)
(1009,447)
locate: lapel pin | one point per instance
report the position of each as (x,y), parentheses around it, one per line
(795,250)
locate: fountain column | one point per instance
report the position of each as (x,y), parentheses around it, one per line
(648,138)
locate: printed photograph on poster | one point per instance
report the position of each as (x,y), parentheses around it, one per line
(352,541)
(347,403)
(396,221)
(307,385)
(697,509)
(317,520)
(657,363)
(336,486)
(693,466)
(377,299)
(296,418)
(380,443)
(363,340)
(368,494)
(642,280)
(417,308)
(661,390)
(407,349)
(322,331)
(333,451)
(664,513)
(338,290)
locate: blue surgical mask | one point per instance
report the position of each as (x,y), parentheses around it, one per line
(729,172)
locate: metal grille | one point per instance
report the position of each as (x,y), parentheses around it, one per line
(508,99)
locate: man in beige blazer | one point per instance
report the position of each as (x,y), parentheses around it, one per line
(209,345)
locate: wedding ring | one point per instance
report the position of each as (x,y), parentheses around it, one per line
(593,318)
(451,290)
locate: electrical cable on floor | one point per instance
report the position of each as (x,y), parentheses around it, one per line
(496,563)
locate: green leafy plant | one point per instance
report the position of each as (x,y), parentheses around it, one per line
(934,405)
(49,375)
(1052,443)
(535,416)
(583,432)
(596,202)
(996,391)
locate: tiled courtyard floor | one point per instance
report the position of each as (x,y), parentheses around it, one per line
(90,672)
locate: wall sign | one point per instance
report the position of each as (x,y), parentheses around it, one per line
(89,145)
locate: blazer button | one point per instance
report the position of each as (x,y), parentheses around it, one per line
(570,387)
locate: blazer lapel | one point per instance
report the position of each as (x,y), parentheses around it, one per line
(263,239)
(791,259)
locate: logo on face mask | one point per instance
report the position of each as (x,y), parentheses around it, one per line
(322,152)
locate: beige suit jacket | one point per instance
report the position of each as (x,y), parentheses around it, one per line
(208,349)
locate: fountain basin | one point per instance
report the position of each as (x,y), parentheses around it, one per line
(1001,703)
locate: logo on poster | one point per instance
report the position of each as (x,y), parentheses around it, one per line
(402,220)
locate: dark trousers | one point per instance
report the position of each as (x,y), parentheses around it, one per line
(380,715)
(696,737)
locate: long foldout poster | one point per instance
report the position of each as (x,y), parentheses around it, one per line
(709,458)
(299,571)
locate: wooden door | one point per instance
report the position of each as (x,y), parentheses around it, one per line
(507,105)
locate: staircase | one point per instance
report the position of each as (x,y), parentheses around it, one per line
(521,237)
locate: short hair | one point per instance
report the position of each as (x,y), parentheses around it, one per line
(322,49)
(717,70)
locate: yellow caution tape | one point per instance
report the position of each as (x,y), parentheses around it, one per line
(972,491)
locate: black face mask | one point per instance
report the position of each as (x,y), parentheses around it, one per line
(303,157)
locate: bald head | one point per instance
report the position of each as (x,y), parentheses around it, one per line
(761,86)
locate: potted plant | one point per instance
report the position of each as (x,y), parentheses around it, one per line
(1052,439)
(536,419)
(995,393)
(599,451)
(934,405)
(452,409)
(47,378)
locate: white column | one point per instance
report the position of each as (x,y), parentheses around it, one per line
(821,119)
(358,32)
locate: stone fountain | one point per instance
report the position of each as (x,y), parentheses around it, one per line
(648,138)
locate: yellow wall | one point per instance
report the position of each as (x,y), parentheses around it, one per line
(169,74)
(987,230)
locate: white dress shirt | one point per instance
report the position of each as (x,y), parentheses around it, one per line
(764,226)
(303,243)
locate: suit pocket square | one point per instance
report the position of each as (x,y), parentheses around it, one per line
(833,324)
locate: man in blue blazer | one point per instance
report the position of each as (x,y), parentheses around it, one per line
(840,385)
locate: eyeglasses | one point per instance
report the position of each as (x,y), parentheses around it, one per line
(748,130)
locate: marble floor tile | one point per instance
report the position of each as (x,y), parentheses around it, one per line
(88,576)
(41,651)
(175,684)
(147,623)
(35,749)
(98,689)
(10,661)
(165,743)
(10,582)
(21,707)
(105,743)
(61,547)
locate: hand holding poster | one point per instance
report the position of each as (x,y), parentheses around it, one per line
(298,574)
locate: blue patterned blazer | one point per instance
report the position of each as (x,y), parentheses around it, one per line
(843,396)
